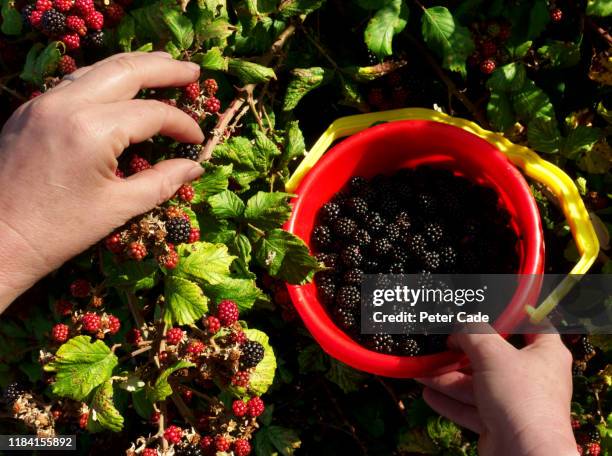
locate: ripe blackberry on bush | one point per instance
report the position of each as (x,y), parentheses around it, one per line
(94,39)
(189,151)
(252,354)
(178,230)
(12,392)
(53,22)
(189,450)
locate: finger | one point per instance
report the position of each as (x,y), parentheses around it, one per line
(455,385)
(122,78)
(462,414)
(80,72)
(147,189)
(134,121)
(481,349)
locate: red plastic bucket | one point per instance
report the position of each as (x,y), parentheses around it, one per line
(406,144)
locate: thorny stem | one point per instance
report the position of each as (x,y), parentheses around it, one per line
(257,230)
(603,33)
(225,119)
(206,397)
(183,409)
(135,353)
(132,304)
(251,102)
(239,116)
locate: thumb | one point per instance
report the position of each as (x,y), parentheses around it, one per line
(152,187)
(482,347)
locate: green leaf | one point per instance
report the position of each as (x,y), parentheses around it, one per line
(142,404)
(268,210)
(184,301)
(126,33)
(226,204)
(218,30)
(531,102)
(11,19)
(28,69)
(285,256)
(597,160)
(387,22)
(448,39)
(40,64)
(580,139)
(443,432)
(560,54)
(130,275)
(304,80)
(213,60)
(262,376)
(80,366)
(180,27)
(602,8)
(518,51)
(249,72)
(539,18)
(312,359)
(499,111)
(242,291)
(104,414)
(543,135)
(416,441)
(373,72)
(604,112)
(508,78)
(241,247)
(272,440)
(203,261)
(347,378)
(265,148)
(294,144)
(290,8)
(161,389)
(214,180)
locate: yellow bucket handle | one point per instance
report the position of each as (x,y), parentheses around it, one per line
(559,183)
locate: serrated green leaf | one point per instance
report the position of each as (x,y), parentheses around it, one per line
(242,291)
(602,8)
(265,149)
(103,413)
(184,301)
(27,74)
(203,261)
(580,139)
(262,376)
(539,18)
(290,8)
(214,180)
(597,160)
(217,30)
(130,275)
(241,247)
(80,366)
(250,72)
(272,440)
(161,389)
(531,102)
(312,359)
(508,78)
(237,151)
(149,22)
(126,33)
(304,80)
(499,111)
(226,205)
(543,135)
(560,54)
(180,27)
(448,39)
(347,378)
(11,19)
(387,22)
(294,144)
(268,210)
(41,63)
(213,60)
(285,256)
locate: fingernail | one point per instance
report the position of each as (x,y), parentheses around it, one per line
(194,66)
(196,172)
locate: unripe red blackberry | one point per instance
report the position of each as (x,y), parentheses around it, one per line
(76,24)
(593,449)
(488,49)
(212,105)
(185,192)
(114,243)
(138,164)
(113,324)
(556,15)
(72,41)
(63,307)
(227,312)
(255,406)
(94,20)
(154,418)
(213,325)
(170,260)
(194,235)
(80,288)
(487,66)
(195,347)
(36,18)
(120,174)
(241,378)
(239,408)
(53,22)
(66,65)
(210,87)
(238,337)
(186,394)
(242,447)
(62,5)
(206,443)
(83,419)
(174,336)
(44,5)
(84,7)
(173,434)
(150,452)
(134,336)
(114,12)
(137,251)
(221,443)
(91,322)
(12,392)
(60,332)
(192,91)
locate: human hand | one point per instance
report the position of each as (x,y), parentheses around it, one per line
(58,156)
(517,400)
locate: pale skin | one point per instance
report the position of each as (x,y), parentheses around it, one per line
(60,195)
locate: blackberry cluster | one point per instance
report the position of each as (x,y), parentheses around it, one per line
(188,151)
(178,230)
(423,220)
(252,354)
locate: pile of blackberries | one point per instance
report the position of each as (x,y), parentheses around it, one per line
(423,220)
